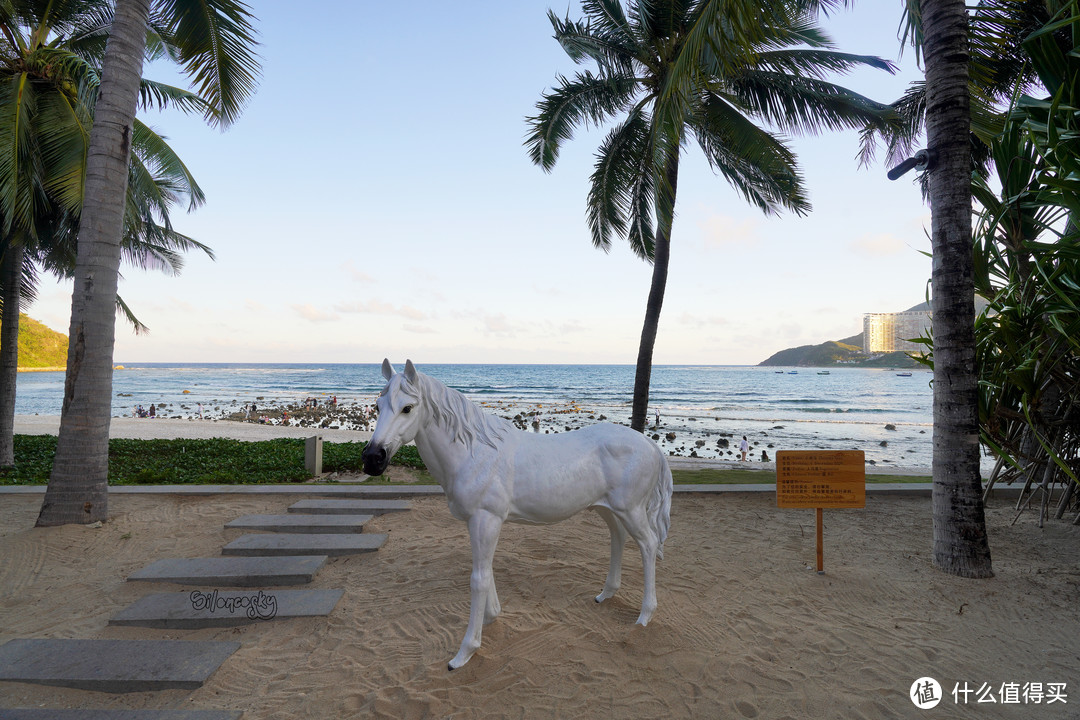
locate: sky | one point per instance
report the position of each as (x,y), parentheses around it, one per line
(375,199)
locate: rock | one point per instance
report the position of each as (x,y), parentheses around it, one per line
(722,442)
(884,443)
(670,437)
(699,443)
(890,427)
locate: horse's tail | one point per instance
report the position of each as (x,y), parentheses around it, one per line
(659,507)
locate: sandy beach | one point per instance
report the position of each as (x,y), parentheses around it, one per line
(744,628)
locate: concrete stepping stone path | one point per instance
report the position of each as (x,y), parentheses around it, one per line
(266,544)
(78,714)
(296,523)
(349,506)
(234,571)
(113,666)
(225,608)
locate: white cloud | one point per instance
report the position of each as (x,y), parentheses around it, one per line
(723,232)
(355,274)
(313,314)
(376,307)
(877,246)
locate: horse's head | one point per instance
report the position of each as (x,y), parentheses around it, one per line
(398,419)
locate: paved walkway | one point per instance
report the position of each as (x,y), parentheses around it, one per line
(268,560)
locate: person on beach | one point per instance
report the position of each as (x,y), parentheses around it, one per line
(744,447)
(153,410)
(200,411)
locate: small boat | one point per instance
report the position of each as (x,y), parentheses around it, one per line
(823,372)
(904,374)
(793,372)
(779,372)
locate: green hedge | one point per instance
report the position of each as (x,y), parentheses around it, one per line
(215,461)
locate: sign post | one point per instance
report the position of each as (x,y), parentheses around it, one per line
(820,479)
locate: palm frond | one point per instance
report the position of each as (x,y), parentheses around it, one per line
(606,38)
(618,160)
(759,166)
(153,94)
(804,105)
(215,40)
(126,312)
(818,63)
(587,100)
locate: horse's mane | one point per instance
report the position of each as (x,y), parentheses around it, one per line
(464,420)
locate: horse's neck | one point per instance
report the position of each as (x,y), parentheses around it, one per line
(439,448)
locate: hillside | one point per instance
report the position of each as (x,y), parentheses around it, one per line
(847,352)
(40,346)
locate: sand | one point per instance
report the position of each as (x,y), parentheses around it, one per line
(744,628)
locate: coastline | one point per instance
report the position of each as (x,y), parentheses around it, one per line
(169,428)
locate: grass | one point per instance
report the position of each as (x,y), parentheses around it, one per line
(728,476)
(235,462)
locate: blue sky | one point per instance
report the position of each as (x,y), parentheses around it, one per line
(375,199)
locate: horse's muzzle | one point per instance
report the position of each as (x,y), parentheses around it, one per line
(375,459)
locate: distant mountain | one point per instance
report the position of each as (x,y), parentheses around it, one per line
(847,352)
(40,346)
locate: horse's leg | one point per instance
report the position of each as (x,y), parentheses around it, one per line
(492,608)
(483,536)
(618,542)
(637,524)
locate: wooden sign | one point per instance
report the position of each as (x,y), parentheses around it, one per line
(820,479)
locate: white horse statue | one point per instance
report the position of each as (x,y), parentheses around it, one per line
(492,472)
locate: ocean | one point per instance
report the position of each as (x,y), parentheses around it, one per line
(707,408)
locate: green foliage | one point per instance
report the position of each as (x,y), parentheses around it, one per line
(216,461)
(40,346)
(1027,265)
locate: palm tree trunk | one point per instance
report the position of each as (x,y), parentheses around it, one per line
(960,542)
(661,256)
(78,486)
(11,281)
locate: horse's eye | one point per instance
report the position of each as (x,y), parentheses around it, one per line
(407,409)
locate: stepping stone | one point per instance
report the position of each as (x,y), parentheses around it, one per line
(58,714)
(347,507)
(234,571)
(225,608)
(296,523)
(315,544)
(113,666)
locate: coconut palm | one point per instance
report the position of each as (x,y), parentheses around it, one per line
(960,544)
(48,86)
(671,72)
(213,41)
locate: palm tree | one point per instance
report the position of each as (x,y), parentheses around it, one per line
(960,542)
(48,86)
(714,72)
(213,41)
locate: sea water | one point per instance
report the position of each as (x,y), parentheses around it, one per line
(707,409)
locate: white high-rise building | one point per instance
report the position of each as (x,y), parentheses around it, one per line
(889,332)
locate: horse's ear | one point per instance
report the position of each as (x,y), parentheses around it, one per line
(387,369)
(410,371)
